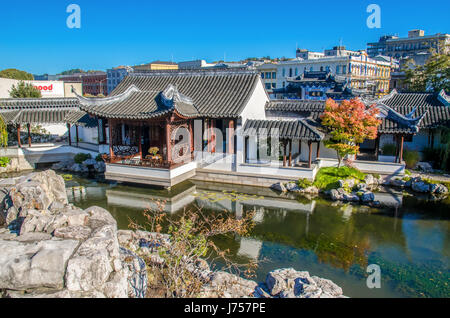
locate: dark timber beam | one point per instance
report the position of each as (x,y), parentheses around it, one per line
(29,135)
(76,134)
(70,137)
(19,143)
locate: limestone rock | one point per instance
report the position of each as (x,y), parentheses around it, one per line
(75,232)
(368,197)
(99,217)
(226,285)
(30,265)
(328,287)
(421,187)
(424,166)
(278,187)
(438,189)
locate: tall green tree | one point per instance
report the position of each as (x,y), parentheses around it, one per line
(24,90)
(16,74)
(434,75)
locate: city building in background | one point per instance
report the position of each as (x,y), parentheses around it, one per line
(49,89)
(416,46)
(192,65)
(360,71)
(93,83)
(269,76)
(317,86)
(156,65)
(116,75)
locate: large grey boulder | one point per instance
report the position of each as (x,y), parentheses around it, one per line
(226,285)
(289,283)
(278,187)
(424,166)
(421,187)
(367,197)
(28,265)
(438,189)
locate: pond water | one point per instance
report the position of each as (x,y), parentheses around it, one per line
(409,240)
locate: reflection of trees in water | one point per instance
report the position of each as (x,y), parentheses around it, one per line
(335,239)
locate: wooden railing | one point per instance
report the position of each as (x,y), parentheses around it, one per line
(132,160)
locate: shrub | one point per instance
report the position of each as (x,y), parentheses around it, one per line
(304,183)
(388,150)
(190,242)
(437,157)
(81,157)
(328,178)
(4,161)
(407,172)
(411,158)
(99,157)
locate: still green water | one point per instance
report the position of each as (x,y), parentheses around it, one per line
(409,240)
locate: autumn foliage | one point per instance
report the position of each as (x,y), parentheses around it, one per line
(349,124)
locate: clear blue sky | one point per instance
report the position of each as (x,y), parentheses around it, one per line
(34,36)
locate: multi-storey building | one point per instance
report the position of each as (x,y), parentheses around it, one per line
(116,75)
(93,83)
(415,45)
(360,71)
(193,65)
(269,76)
(156,65)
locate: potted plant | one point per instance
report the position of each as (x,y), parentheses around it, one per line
(153,151)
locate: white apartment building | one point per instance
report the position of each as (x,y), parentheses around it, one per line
(359,70)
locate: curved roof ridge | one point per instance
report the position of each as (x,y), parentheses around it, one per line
(92,101)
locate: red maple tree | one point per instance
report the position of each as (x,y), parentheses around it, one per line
(349,124)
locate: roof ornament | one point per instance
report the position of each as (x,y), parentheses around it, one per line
(405,120)
(171,95)
(94,101)
(444,98)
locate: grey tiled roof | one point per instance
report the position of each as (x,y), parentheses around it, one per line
(37,103)
(287,129)
(218,94)
(81,118)
(293,105)
(412,99)
(42,111)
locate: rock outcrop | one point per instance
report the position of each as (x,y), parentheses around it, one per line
(53,249)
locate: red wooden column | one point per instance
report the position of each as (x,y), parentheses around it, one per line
(318,150)
(231,136)
(284,153)
(402,139)
(70,137)
(191,136)
(168,142)
(310,153)
(19,143)
(213,135)
(111,152)
(29,134)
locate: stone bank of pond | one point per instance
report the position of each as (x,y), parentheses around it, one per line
(410,243)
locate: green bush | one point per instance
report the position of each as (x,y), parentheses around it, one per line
(437,157)
(4,161)
(407,172)
(81,157)
(328,178)
(304,183)
(99,157)
(388,150)
(411,158)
